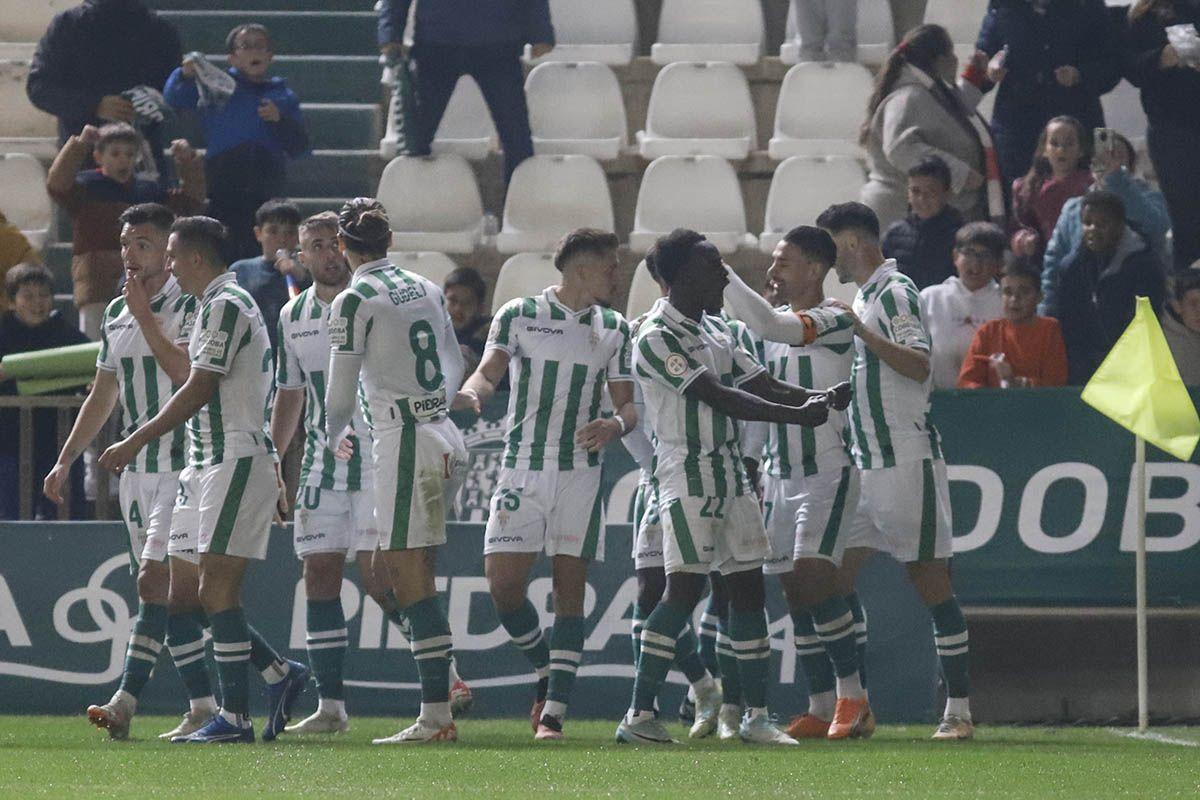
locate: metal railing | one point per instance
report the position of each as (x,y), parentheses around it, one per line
(67,407)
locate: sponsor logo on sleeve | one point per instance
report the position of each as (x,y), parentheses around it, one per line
(213,343)
(337,332)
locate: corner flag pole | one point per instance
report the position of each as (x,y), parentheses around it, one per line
(1143,681)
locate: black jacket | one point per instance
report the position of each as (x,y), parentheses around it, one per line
(1168,95)
(924,248)
(95,49)
(16,337)
(1072,32)
(470,23)
(1096,301)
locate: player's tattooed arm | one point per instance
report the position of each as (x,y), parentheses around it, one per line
(745,406)
(195,393)
(95,411)
(285,416)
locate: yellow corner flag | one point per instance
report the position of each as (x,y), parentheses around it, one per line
(1138,387)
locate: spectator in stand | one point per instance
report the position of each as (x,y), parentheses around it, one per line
(250,135)
(1060,170)
(917,111)
(828,29)
(32,324)
(14,249)
(1021,349)
(1097,284)
(1145,210)
(481,38)
(953,310)
(92,53)
(95,199)
(923,242)
(465,291)
(1181,323)
(1049,58)
(266,277)
(1171,98)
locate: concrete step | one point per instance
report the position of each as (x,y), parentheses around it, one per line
(331,126)
(292,32)
(335,173)
(331,79)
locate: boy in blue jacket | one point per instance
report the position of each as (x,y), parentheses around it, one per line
(250,134)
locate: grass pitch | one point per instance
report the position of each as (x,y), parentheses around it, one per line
(65,757)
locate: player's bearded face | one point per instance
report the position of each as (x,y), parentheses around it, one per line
(320,255)
(143,250)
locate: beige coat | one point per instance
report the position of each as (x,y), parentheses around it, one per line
(910,124)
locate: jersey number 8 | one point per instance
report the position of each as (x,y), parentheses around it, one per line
(424,347)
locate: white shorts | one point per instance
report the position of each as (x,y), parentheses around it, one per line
(905,511)
(419,468)
(332,521)
(808,516)
(185,520)
(711,534)
(561,513)
(235,506)
(647,529)
(147,502)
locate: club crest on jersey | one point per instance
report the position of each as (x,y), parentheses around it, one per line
(676,365)
(594,338)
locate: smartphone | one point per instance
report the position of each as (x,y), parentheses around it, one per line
(1104,146)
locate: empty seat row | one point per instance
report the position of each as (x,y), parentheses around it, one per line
(696,108)
(550,195)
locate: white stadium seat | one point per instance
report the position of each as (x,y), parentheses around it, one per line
(550,196)
(23,128)
(23,197)
(643,291)
(1123,113)
(588,30)
(449,215)
(466,127)
(699,108)
(427,264)
(27,20)
(875,33)
(821,106)
(709,30)
(523,275)
(576,108)
(802,188)
(698,192)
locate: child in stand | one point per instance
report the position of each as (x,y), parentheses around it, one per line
(250,134)
(95,199)
(1020,349)
(1061,170)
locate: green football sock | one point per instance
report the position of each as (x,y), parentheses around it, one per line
(818,670)
(658,651)
(185,640)
(731,680)
(950,636)
(231,651)
(708,641)
(566,651)
(265,659)
(431,648)
(524,628)
(327,643)
(860,634)
(748,639)
(639,624)
(687,658)
(145,644)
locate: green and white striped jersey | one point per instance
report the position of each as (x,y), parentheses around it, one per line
(303,362)
(143,384)
(889,414)
(230,338)
(691,437)
(397,321)
(559,361)
(794,450)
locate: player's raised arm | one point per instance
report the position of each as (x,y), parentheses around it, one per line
(902,343)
